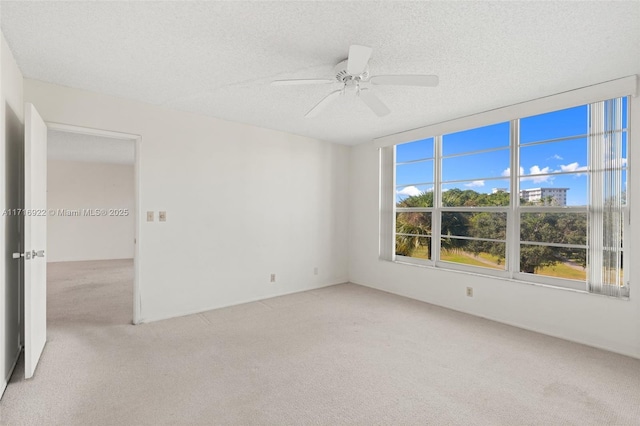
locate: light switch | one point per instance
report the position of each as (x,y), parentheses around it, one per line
(149,216)
(162,216)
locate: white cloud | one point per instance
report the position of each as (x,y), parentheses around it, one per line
(409,190)
(536,170)
(507,172)
(556,157)
(532,176)
(573,167)
(475,184)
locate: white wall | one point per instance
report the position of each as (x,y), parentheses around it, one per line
(75,185)
(591,319)
(242,202)
(11,148)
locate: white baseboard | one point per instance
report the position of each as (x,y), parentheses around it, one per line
(256,299)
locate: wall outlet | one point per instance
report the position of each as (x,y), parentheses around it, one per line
(315,271)
(273,278)
(149,216)
(162,216)
(469,291)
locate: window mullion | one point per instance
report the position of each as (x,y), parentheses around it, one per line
(513,216)
(436,218)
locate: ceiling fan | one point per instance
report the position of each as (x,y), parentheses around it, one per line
(351,73)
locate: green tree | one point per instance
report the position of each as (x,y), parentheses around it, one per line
(566,228)
(488,225)
(419,226)
(563,228)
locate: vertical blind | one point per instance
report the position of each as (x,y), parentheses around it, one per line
(387,202)
(607,197)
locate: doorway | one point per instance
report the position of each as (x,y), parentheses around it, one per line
(93,220)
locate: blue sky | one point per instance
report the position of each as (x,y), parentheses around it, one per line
(540,164)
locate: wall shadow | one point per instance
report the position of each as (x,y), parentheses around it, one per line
(14,198)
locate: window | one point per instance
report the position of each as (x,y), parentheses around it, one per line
(414,171)
(553,177)
(540,198)
(473,220)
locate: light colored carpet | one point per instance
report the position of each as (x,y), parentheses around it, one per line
(341,355)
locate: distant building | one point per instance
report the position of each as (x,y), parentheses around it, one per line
(558,195)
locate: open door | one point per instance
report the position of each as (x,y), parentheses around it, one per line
(35,238)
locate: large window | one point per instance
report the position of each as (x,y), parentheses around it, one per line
(540,198)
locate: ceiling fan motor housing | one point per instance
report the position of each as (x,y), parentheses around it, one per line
(343,76)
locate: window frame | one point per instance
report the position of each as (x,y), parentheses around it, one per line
(518,209)
(396,210)
(514,210)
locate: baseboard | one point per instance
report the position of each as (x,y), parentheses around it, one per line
(3,386)
(87,260)
(242,302)
(630,354)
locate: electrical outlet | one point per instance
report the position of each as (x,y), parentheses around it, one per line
(273,278)
(315,271)
(162,216)
(149,216)
(469,291)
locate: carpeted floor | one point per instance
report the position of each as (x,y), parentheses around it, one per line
(341,355)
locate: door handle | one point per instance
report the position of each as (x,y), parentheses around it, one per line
(29,255)
(26,255)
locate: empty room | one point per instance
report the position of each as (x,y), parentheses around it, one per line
(331,212)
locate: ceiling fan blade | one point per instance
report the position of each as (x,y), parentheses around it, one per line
(406,80)
(358,59)
(303,81)
(320,106)
(374,102)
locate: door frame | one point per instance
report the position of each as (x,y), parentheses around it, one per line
(137,139)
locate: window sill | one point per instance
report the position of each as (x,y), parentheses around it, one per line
(507,279)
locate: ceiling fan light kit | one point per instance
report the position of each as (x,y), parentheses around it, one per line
(351,73)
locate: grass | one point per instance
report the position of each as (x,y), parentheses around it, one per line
(561,270)
(420,253)
(493,259)
(465,258)
(486,260)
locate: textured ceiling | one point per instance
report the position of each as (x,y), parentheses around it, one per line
(217,58)
(89,148)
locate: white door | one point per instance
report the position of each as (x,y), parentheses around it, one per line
(35,238)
